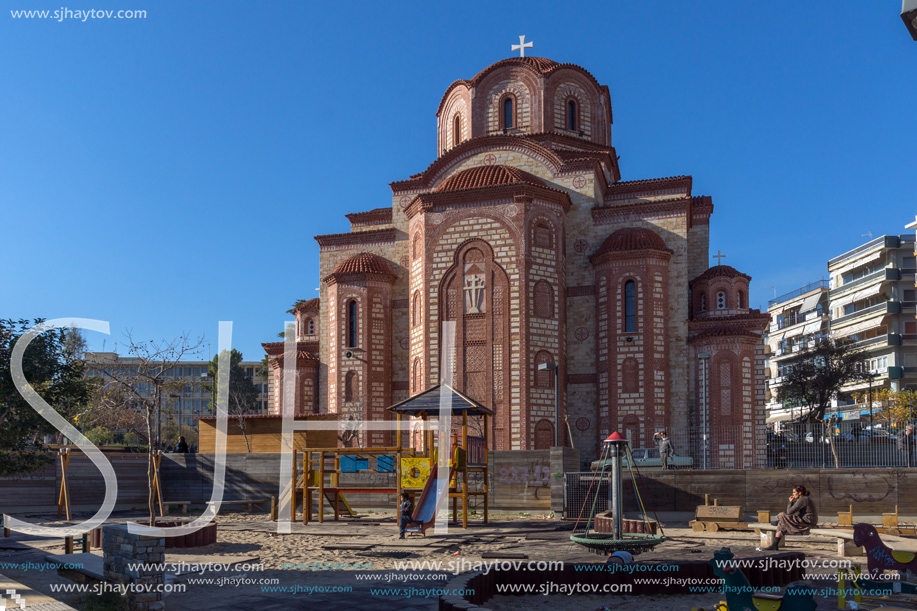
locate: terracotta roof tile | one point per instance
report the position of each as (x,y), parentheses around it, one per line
(364,263)
(488,176)
(726,331)
(632,238)
(721,271)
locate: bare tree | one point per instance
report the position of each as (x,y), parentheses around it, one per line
(139,383)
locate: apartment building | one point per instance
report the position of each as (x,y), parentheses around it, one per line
(799,319)
(190,397)
(870,300)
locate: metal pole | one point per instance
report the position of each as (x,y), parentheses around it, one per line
(158,416)
(617,505)
(557,406)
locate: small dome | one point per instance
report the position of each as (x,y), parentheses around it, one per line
(722,271)
(488,176)
(541,64)
(632,238)
(725,331)
(364,263)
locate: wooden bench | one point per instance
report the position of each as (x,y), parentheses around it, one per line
(182,504)
(249,503)
(711,518)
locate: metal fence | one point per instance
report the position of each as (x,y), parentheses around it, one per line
(793,445)
(843,444)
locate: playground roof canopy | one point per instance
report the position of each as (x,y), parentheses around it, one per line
(441,395)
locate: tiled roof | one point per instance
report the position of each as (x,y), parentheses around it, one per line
(541,64)
(364,263)
(726,331)
(722,271)
(488,176)
(632,238)
(309,304)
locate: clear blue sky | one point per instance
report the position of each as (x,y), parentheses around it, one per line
(167,173)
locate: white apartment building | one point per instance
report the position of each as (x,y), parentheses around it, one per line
(869,299)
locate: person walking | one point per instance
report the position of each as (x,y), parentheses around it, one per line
(666,448)
(799,517)
(905,443)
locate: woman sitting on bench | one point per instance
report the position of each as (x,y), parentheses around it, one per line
(799,517)
(407,510)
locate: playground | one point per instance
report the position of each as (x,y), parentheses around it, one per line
(336,542)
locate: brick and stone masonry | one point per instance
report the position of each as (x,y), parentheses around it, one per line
(123,550)
(523,234)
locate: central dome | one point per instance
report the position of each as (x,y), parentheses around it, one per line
(541,64)
(488,176)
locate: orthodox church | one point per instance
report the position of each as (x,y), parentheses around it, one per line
(523,234)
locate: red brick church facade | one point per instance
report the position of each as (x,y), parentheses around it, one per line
(523,234)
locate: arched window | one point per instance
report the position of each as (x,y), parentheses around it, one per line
(740,299)
(703,302)
(350,383)
(415,310)
(630,376)
(457,130)
(721,300)
(543,379)
(544,435)
(544,300)
(310,327)
(418,373)
(415,248)
(571,115)
(630,307)
(508,112)
(352,324)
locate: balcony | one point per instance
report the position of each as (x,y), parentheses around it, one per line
(889,307)
(885,274)
(880,341)
(821,284)
(886,241)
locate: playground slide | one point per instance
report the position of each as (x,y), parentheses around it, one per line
(425,511)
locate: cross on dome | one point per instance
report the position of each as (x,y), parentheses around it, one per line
(719,257)
(522,46)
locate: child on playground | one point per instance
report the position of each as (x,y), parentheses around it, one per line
(407,510)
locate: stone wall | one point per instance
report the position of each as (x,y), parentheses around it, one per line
(122,551)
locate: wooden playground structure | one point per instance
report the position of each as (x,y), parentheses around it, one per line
(317,471)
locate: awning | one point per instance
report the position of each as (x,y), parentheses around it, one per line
(810,303)
(812,327)
(857,328)
(865,293)
(779,418)
(794,331)
(857,263)
(842,301)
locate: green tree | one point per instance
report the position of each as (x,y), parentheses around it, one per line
(243,394)
(818,375)
(100,436)
(56,374)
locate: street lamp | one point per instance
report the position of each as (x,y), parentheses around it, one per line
(556,370)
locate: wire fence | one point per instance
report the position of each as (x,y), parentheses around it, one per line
(843,444)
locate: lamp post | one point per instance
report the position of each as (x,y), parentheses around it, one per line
(553,367)
(704,359)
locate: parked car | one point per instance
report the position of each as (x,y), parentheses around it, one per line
(776,450)
(648,458)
